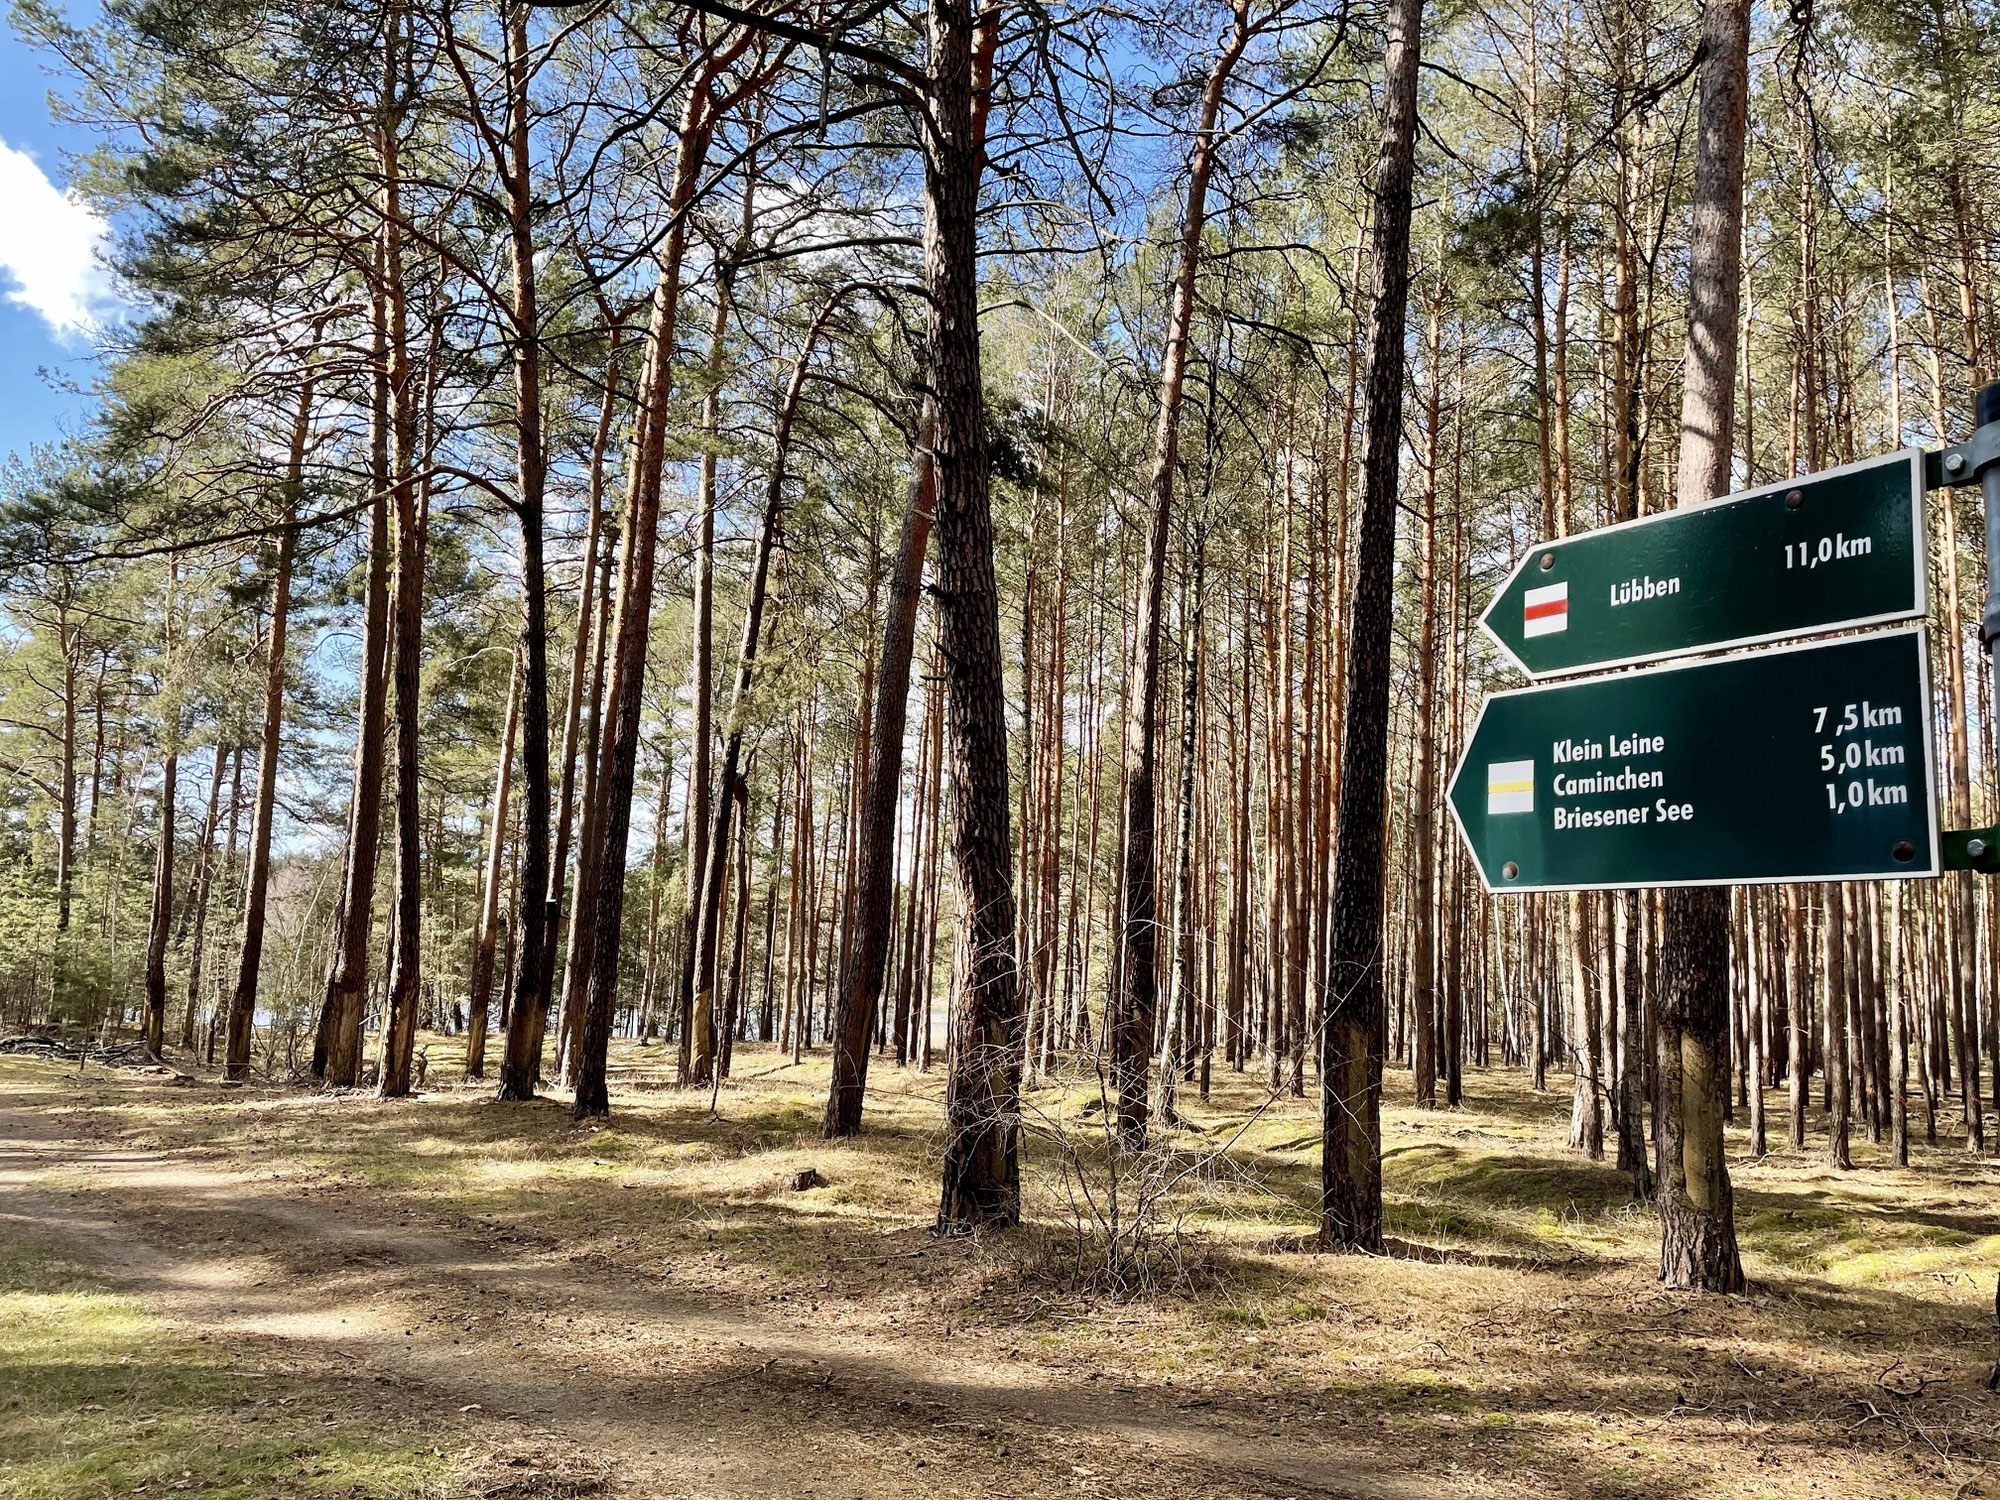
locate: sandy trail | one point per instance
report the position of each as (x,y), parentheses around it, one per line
(669,1394)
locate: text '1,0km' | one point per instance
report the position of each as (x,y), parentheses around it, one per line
(1807,762)
(1836,549)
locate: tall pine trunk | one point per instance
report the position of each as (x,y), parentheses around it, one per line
(485,940)
(639,544)
(531,926)
(204,878)
(163,903)
(1351,1041)
(708,906)
(1697,1211)
(982,1165)
(337,1048)
(861,978)
(243,1004)
(1132,1038)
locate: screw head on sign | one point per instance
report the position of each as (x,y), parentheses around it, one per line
(1907,851)
(1954,462)
(1976,848)
(1794,499)
(1548,561)
(1510,869)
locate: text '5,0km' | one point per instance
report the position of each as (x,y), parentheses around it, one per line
(1805,762)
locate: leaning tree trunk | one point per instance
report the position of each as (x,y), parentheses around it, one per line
(708,906)
(639,544)
(1132,1037)
(638,550)
(337,1048)
(861,979)
(163,905)
(982,1161)
(243,1004)
(1697,1223)
(1351,1041)
(485,939)
(532,924)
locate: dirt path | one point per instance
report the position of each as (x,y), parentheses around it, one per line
(507,1348)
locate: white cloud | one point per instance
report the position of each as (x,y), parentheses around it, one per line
(48,240)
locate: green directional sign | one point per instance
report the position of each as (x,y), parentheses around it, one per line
(1832,550)
(1807,762)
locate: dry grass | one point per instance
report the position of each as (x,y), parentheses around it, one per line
(98,1396)
(1519,1332)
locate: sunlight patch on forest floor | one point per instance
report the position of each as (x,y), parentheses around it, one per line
(103,1397)
(1517,1340)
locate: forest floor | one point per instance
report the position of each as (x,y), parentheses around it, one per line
(270,1291)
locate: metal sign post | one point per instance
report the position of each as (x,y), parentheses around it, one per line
(1977,461)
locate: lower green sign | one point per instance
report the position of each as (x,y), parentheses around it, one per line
(1798,763)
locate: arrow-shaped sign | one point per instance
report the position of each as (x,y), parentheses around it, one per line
(1832,550)
(1808,762)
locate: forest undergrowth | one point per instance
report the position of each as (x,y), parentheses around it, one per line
(1515,1340)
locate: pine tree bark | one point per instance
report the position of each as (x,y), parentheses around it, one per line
(406,607)
(1798,1062)
(695,1061)
(1697,1224)
(71,641)
(203,879)
(337,1047)
(1351,1042)
(982,1166)
(243,1004)
(486,937)
(1839,984)
(588,630)
(1138,932)
(708,905)
(532,925)
(639,541)
(1423,831)
(860,985)
(861,979)
(163,904)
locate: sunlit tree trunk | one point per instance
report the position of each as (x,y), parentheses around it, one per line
(485,937)
(639,542)
(243,1004)
(163,902)
(204,877)
(982,1166)
(1139,920)
(1351,1043)
(1698,1230)
(532,925)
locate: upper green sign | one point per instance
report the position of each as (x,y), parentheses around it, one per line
(1805,762)
(1832,550)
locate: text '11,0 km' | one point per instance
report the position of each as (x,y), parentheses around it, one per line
(1826,552)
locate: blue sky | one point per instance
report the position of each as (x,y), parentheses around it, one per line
(50,287)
